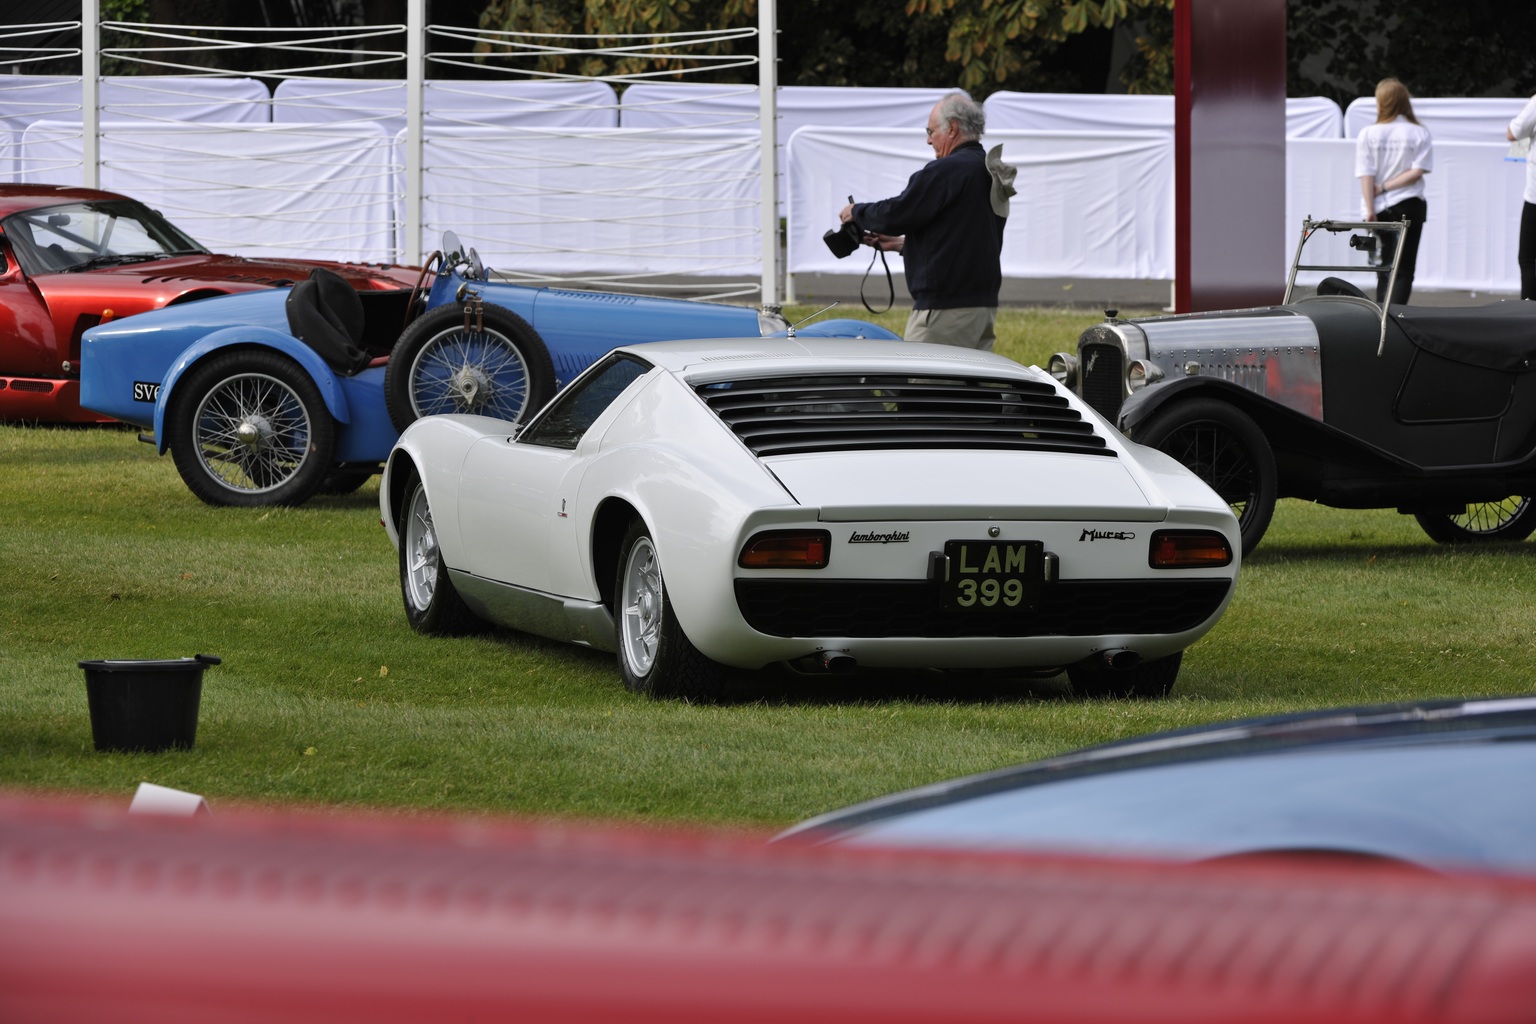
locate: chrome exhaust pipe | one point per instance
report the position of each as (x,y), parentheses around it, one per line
(1120,660)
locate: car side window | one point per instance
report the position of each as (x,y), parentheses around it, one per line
(567,418)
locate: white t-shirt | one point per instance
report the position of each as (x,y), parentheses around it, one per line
(1523,127)
(1385,150)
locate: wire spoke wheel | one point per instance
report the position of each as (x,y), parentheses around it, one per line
(1219,459)
(252,433)
(249,427)
(484,360)
(467,371)
(1512,519)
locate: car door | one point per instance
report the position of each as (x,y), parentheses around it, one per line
(27,347)
(517,494)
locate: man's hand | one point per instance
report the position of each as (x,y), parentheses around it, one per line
(890,243)
(847,214)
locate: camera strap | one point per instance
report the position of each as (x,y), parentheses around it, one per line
(889,283)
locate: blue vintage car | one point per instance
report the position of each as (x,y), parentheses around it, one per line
(266,398)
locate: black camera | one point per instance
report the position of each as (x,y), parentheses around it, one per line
(1366,243)
(844,240)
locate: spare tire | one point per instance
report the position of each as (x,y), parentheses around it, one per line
(455,359)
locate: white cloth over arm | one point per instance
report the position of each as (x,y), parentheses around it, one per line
(580,201)
(318,191)
(1088,204)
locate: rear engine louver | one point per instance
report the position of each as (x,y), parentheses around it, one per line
(789,415)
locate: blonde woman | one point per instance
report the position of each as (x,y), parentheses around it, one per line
(1391,158)
(1524,127)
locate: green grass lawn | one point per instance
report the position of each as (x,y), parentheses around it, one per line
(326,696)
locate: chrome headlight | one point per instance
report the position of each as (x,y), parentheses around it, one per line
(770,320)
(1141,372)
(1063,367)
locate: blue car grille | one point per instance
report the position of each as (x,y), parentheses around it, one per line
(897,608)
(788,415)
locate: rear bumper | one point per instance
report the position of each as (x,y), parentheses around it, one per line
(36,400)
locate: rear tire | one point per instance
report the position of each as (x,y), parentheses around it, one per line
(656,657)
(1227,450)
(432,605)
(1483,522)
(1151,680)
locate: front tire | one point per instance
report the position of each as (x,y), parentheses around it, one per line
(1227,450)
(1483,522)
(453,361)
(432,605)
(250,428)
(1150,680)
(655,657)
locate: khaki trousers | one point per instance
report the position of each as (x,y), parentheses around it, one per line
(967,327)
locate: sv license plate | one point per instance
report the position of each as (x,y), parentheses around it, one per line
(992,575)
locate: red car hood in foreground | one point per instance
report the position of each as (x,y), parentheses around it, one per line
(243,917)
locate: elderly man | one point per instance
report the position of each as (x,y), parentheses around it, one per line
(948,226)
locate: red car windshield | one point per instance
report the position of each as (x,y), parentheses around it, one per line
(83,236)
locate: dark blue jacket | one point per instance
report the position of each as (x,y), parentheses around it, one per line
(953,239)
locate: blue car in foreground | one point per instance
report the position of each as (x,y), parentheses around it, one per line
(269,397)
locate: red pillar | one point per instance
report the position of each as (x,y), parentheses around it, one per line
(1229,153)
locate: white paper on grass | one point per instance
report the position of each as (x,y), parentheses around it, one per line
(153,799)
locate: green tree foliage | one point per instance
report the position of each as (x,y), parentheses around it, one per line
(648,19)
(1342,48)
(993,41)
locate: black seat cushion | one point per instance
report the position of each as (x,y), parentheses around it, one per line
(325,313)
(1338,286)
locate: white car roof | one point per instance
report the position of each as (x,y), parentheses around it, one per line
(700,359)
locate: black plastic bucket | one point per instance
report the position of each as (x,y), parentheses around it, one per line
(145,705)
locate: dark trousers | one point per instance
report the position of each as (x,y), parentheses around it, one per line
(1527,254)
(1414,211)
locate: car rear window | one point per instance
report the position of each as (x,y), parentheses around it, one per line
(789,415)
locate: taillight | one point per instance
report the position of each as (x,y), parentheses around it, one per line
(787,549)
(1189,549)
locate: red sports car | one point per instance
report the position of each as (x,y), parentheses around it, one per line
(71,258)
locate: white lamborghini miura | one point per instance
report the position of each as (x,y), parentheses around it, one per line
(826,504)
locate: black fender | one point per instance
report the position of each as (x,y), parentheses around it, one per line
(1293,436)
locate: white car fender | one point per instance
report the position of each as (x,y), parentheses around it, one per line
(692,494)
(436,447)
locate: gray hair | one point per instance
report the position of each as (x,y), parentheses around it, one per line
(965,112)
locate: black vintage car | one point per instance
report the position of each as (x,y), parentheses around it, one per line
(1335,399)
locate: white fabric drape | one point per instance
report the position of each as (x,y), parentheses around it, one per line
(164,99)
(1088,205)
(1305,116)
(1470,237)
(519,104)
(618,200)
(1449,119)
(322,191)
